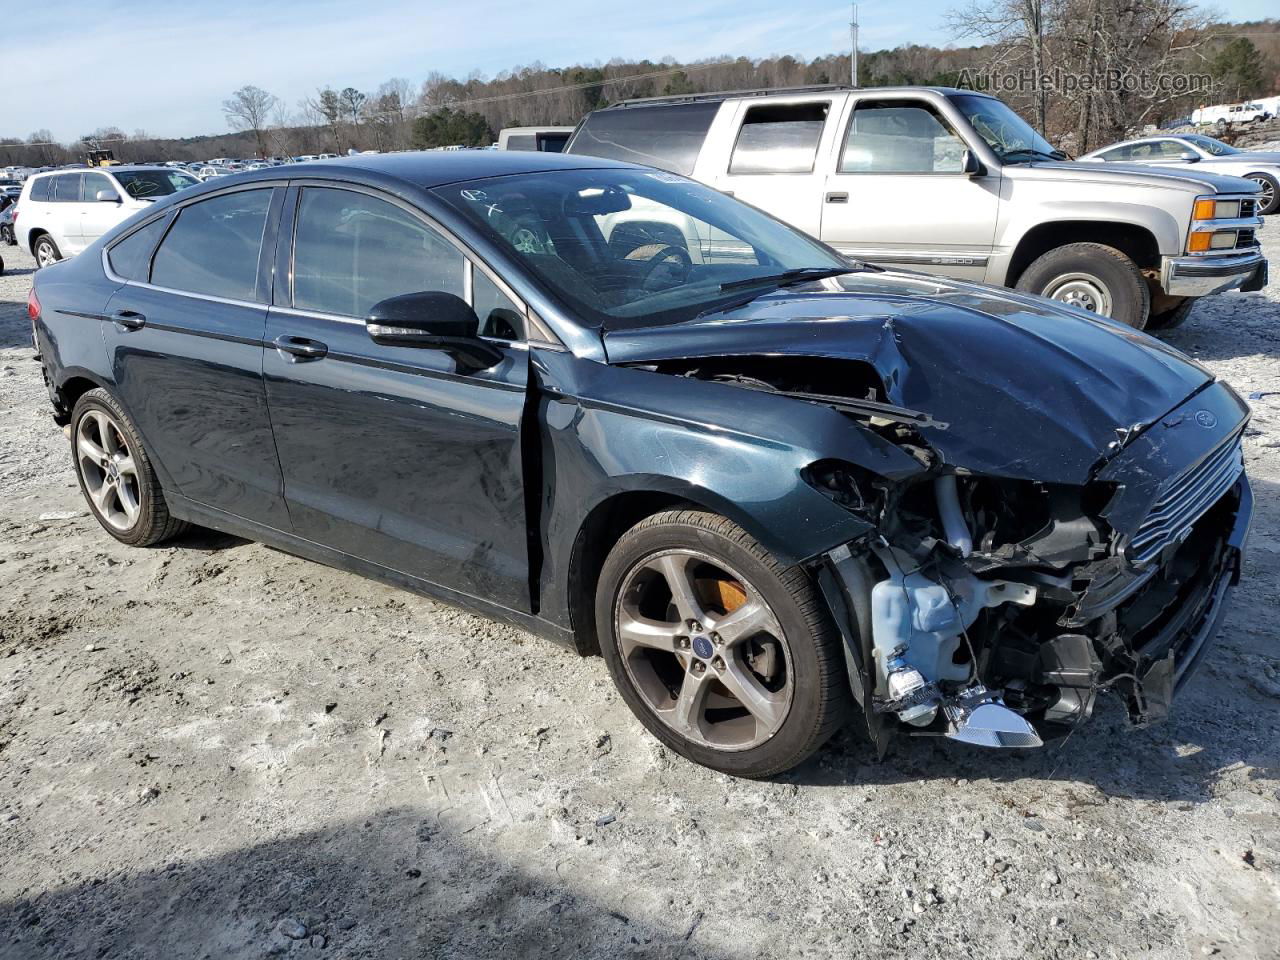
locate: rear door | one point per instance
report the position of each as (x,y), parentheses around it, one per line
(63,215)
(396,455)
(184,334)
(775,164)
(899,195)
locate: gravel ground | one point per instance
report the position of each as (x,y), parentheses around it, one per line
(219,750)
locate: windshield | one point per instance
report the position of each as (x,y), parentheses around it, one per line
(637,247)
(1011,137)
(149,184)
(1211,146)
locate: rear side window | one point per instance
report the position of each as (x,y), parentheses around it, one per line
(779,139)
(213,246)
(66,188)
(669,136)
(40,188)
(1119,153)
(352,250)
(131,257)
(523,141)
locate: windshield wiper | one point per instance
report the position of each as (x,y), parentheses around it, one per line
(791,277)
(1033,154)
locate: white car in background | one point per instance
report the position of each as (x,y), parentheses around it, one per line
(1210,155)
(66,210)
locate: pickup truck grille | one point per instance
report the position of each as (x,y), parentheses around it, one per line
(1248,208)
(1185,499)
(1246,238)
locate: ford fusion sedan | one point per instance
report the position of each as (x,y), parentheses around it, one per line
(1177,149)
(773,488)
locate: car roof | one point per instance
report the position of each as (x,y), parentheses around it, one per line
(816,89)
(427,169)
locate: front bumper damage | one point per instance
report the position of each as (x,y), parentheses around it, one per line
(1009,651)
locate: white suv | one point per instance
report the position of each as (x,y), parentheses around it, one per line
(66,210)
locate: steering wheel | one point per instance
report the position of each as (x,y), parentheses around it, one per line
(668,257)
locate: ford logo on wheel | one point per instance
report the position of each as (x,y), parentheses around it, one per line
(1206,419)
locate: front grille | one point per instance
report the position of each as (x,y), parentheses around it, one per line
(1184,499)
(1248,208)
(1246,238)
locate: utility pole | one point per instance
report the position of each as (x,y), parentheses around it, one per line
(853,35)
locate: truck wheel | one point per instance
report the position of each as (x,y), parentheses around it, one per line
(1269,201)
(726,655)
(1173,317)
(46,251)
(1092,276)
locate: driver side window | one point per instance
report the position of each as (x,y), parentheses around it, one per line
(900,137)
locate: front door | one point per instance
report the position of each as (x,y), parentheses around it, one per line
(775,163)
(396,455)
(185,340)
(899,195)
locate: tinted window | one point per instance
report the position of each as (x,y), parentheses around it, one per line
(352,250)
(890,137)
(40,188)
(499,317)
(93,182)
(779,139)
(1119,153)
(213,246)
(523,141)
(66,188)
(667,136)
(131,257)
(552,142)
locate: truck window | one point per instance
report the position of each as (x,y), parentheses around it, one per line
(668,136)
(898,137)
(779,138)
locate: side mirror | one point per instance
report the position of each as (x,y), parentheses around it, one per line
(435,320)
(970,165)
(107,196)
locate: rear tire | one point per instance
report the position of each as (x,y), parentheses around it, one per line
(1269,202)
(1094,277)
(115,473)
(776,686)
(46,251)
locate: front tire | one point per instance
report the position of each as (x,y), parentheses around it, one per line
(724,654)
(1269,202)
(46,251)
(116,476)
(1172,318)
(1092,276)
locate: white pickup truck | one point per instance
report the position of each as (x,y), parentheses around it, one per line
(954,182)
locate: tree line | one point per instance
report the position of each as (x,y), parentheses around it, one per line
(1096,37)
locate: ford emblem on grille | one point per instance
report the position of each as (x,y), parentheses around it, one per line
(1206,419)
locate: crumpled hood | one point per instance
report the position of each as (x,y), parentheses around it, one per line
(1026,388)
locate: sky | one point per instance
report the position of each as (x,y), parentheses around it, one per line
(165,66)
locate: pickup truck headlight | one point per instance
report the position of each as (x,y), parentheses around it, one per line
(1202,241)
(1207,208)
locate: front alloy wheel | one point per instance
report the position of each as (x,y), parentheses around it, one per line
(723,653)
(46,252)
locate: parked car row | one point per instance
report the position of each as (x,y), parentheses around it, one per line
(773,487)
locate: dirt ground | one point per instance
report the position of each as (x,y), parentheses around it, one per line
(218,750)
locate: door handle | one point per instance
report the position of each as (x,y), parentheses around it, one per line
(838,197)
(129,320)
(300,348)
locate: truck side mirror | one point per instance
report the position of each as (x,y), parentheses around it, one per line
(970,165)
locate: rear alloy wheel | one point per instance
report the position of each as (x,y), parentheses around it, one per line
(722,653)
(1094,277)
(46,251)
(116,475)
(1269,201)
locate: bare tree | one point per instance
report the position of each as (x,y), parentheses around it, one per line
(250,109)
